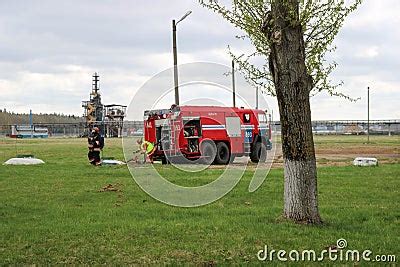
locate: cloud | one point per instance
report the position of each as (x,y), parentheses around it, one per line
(369,52)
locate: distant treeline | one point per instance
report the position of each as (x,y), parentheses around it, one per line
(9,118)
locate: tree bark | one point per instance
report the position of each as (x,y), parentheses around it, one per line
(293,85)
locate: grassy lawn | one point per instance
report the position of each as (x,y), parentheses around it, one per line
(57,212)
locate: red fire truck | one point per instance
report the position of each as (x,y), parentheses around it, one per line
(210,134)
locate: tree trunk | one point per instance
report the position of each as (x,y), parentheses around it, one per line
(293,85)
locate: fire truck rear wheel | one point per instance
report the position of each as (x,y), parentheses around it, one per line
(259,153)
(208,152)
(223,154)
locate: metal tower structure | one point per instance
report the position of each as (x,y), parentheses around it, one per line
(109,118)
(93,108)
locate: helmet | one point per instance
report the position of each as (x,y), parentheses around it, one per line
(96,129)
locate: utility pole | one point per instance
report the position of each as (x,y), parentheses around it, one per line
(256,97)
(175,54)
(272,114)
(175,62)
(31,122)
(368,115)
(233,84)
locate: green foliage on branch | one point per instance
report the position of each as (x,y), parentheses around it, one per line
(320,21)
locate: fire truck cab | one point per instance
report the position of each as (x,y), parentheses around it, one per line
(211,134)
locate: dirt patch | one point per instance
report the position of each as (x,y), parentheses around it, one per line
(111,188)
(120,200)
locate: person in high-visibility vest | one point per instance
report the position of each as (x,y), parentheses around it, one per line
(147,148)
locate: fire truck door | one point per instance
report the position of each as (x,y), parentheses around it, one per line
(263,125)
(247,138)
(233,129)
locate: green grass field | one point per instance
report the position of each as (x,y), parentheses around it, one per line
(56,213)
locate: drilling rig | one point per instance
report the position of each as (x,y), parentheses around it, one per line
(108,118)
(93,108)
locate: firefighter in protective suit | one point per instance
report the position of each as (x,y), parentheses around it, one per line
(146,148)
(95,145)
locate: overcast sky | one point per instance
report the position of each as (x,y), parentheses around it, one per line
(49,50)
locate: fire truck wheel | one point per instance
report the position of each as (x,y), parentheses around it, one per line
(259,153)
(222,156)
(208,152)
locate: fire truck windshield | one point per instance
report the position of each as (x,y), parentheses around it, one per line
(262,118)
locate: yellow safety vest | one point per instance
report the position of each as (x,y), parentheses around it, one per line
(149,146)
